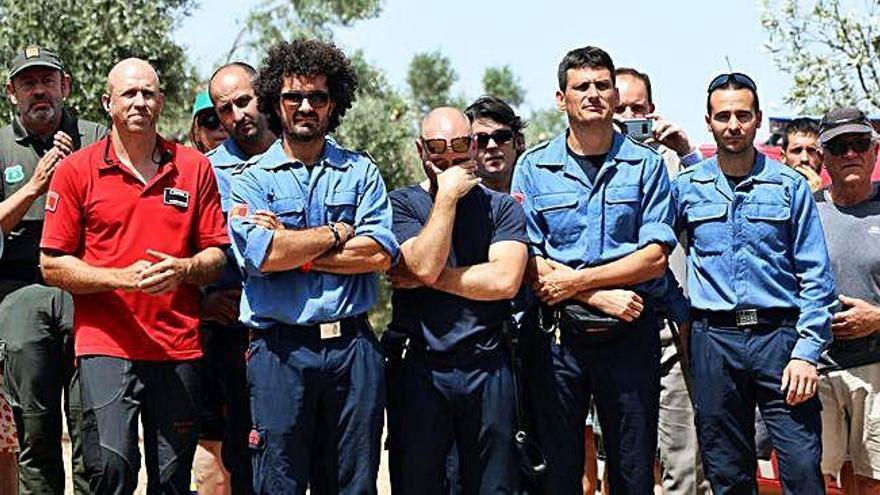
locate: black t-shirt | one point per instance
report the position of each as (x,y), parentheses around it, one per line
(436,320)
(590,164)
(734,180)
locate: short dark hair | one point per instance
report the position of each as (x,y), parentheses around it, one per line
(732,84)
(588,56)
(497,110)
(802,125)
(309,58)
(628,71)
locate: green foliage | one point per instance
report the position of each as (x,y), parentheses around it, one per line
(831,50)
(92,35)
(544,124)
(503,83)
(430,78)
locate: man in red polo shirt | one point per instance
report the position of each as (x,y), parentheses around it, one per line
(133,227)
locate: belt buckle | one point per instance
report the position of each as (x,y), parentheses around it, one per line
(746,317)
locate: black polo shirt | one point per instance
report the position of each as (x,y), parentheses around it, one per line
(436,320)
(19,154)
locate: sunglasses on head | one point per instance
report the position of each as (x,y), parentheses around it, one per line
(737,77)
(839,147)
(317,99)
(208,120)
(438,146)
(500,137)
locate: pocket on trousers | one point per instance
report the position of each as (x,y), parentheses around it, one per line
(103,380)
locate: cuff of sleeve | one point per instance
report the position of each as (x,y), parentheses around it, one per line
(56,244)
(807,350)
(658,233)
(258,242)
(692,158)
(386,239)
(219,240)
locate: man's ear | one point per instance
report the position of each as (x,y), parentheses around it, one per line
(106,103)
(66,84)
(560,100)
(10,92)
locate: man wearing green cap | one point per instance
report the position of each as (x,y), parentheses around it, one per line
(36,339)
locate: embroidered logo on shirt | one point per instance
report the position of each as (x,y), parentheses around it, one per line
(13,174)
(52,201)
(176,197)
(238,211)
(519,197)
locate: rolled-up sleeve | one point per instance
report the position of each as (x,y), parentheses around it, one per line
(657,213)
(373,217)
(817,290)
(250,242)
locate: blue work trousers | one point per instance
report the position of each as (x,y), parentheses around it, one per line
(317,408)
(623,376)
(734,369)
(469,404)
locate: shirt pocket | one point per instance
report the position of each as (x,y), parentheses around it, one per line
(767,228)
(341,206)
(291,212)
(707,228)
(622,212)
(559,213)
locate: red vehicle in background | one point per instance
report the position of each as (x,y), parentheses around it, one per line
(772,147)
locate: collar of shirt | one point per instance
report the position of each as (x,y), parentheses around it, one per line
(556,156)
(332,155)
(710,172)
(227,155)
(166,167)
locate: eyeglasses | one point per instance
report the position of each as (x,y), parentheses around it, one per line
(317,99)
(208,120)
(737,77)
(500,137)
(439,146)
(839,147)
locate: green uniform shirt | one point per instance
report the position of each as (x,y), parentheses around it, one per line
(19,154)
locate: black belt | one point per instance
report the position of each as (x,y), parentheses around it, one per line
(348,326)
(745,318)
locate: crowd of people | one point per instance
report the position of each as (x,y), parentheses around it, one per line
(211,301)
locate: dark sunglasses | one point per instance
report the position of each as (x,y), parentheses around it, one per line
(208,120)
(500,137)
(737,77)
(439,146)
(317,99)
(839,147)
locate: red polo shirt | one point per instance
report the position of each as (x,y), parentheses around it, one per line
(98,211)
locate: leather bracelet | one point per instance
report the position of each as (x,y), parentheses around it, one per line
(337,240)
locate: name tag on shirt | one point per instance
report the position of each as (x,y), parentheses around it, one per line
(176,197)
(331,330)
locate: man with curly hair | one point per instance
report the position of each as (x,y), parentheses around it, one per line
(311,227)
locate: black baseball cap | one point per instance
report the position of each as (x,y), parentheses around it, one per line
(844,120)
(34,56)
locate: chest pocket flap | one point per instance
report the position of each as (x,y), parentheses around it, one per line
(291,211)
(549,202)
(768,212)
(622,194)
(703,213)
(341,206)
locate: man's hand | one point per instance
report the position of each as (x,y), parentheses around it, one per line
(401,278)
(799,381)
(221,306)
(457,180)
(860,319)
(670,135)
(165,275)
(39,182)
(620,303)
(560,284)
(266,219)
(130,276)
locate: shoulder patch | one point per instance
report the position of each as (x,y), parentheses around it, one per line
(518,197)
(13,174)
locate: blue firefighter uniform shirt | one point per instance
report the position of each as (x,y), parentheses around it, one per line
(583,224)
(224,160)
(436,320)
(343,186)
(760,245)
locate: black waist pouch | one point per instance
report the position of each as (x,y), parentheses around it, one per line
(587,324)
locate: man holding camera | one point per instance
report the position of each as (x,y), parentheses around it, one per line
(677,435)
(598,216)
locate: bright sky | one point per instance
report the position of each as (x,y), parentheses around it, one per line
(681,45)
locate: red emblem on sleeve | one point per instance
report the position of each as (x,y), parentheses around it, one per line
(51,201)
(519,197)
(238,211)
